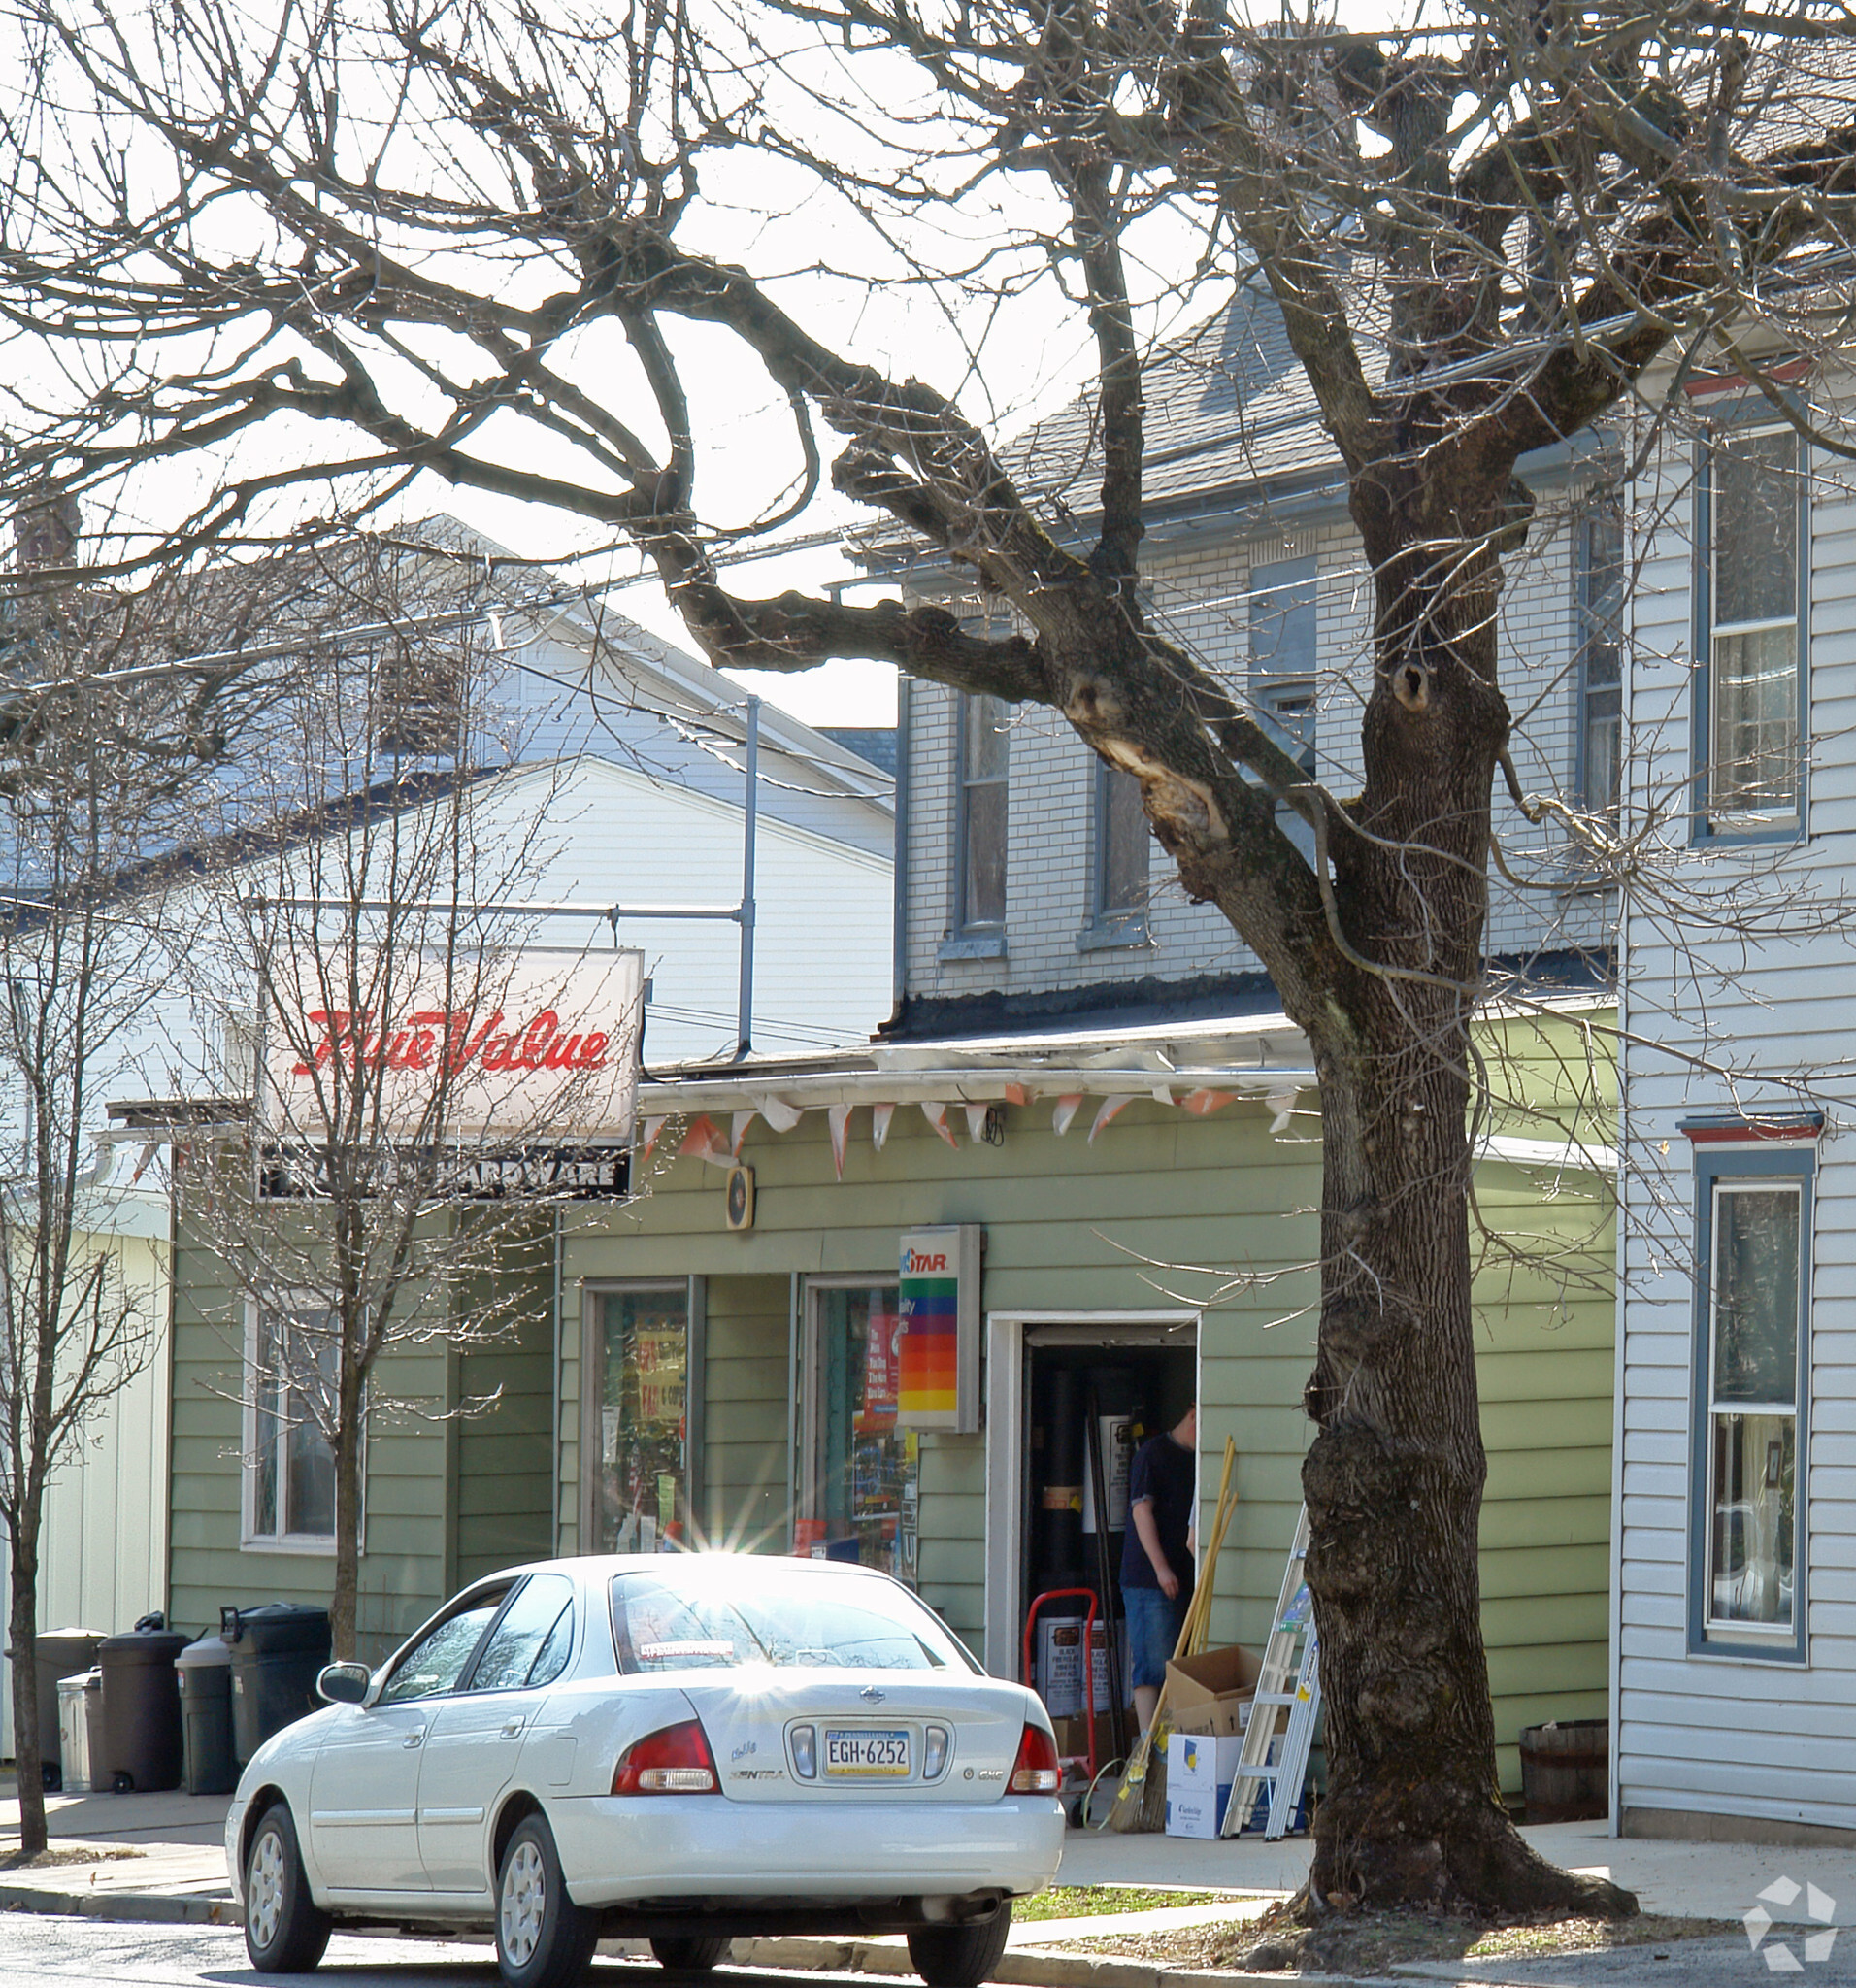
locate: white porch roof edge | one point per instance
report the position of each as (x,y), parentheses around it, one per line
(1266,1054)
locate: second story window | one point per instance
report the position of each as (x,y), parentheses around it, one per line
(1282,654)
(1599,586)
(1750,629)
(1121,849)
(980,832)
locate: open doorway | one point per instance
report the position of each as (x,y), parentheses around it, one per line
(1071,1398)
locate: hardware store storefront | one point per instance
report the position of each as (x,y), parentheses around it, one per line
(750,1387)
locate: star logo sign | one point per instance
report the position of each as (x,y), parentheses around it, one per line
(1779,1958)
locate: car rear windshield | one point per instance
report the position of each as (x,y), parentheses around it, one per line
(699,1617)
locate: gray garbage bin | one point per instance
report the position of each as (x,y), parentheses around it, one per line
(58,1653)
(93,1745)
(74,1729)
(141,1711)
(204,1673)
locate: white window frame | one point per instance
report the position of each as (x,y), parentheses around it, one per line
(250,1539)
(1008,1461)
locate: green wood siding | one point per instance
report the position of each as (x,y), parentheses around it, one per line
(502,1452)
(1167,1210)
(745,1501)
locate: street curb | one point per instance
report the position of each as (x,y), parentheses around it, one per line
(1019,1968)
(1024,1966)
(147,1907)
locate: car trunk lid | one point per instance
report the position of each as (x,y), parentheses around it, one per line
(863,1736)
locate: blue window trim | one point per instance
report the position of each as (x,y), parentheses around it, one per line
(1714,1163)
(1754,413)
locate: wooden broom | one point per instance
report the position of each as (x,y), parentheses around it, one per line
(1141,1802)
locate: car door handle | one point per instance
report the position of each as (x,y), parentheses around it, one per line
(511,1728)
(413,1738)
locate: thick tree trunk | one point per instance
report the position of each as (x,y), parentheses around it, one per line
(1394,1478)
(23,1642)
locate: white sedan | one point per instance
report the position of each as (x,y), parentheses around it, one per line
(682,1748)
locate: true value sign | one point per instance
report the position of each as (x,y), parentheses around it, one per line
(535,1047)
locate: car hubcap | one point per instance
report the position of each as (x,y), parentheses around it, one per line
(264,1887)
(525,1899)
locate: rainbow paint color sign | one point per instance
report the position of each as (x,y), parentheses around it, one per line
(937,1296)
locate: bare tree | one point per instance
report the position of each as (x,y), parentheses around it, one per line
(1483,232)
(102,752)
(428,1083)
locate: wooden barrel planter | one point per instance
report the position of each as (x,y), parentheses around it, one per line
(1565,1770)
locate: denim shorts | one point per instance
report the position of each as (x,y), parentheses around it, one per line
(1154,1631)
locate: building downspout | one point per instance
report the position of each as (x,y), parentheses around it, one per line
(899,931)
(554,1488)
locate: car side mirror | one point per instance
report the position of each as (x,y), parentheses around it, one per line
(344,1684)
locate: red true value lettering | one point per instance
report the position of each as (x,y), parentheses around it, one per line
(541,1043)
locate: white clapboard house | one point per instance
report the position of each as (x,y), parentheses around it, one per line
(1735,1600)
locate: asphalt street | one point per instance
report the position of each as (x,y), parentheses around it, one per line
(35,1950)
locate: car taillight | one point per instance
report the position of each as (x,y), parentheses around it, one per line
(676,1761)
(1036,1771)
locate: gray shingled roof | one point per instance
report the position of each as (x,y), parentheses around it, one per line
(1228,407)
(1228,404)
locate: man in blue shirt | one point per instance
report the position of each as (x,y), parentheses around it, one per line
(1156,1558)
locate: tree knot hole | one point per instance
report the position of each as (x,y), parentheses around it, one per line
(1411,687)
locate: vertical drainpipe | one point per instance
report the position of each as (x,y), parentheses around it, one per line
(1621,1216)
(899,931)
(751,802)
(554,1473)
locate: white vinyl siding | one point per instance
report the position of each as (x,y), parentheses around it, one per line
(1718,1733)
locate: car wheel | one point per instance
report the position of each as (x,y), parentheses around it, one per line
(960,1956)
(285,1931)
(689,1954)
(544,1940)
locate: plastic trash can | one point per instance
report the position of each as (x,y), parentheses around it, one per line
(204,1671)
(74,1729)
(58,1653)
(141,1711)
(93,1728)
(278,1652)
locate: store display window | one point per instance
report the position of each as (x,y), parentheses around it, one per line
(860,1492)
(641,1359)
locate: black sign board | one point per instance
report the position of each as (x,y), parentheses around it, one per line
(540,1173)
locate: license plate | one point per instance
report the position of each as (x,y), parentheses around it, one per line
(865,1755)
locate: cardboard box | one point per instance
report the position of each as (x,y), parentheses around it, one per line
(1199,1770)
(1210,1693)
(1073,1737)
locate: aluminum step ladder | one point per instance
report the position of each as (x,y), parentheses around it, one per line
(1287,1702)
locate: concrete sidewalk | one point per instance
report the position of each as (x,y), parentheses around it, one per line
(159,1858)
